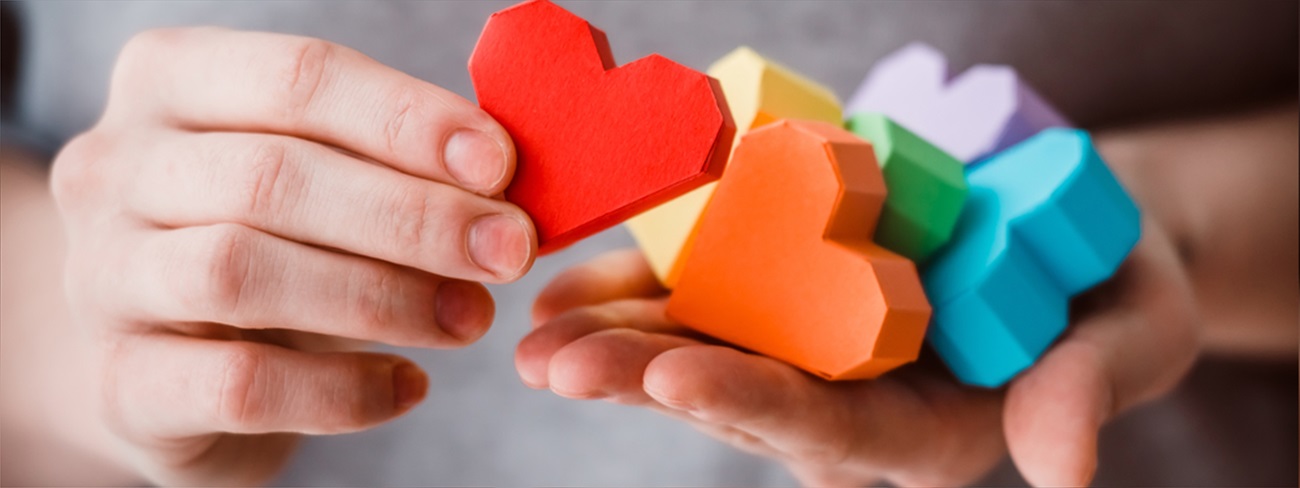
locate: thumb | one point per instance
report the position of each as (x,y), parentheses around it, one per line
(1136,337)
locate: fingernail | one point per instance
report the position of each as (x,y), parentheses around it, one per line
(499,244)
(409,386)
(458,307)
(475,160)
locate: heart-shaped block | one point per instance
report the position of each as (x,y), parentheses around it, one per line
(596,143)
(984,110)
(1045,220)
(783,263)
(926,187)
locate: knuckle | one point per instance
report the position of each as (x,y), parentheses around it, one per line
(413,219)
(373,298)
(304,63)
(239,402)
(138,64)
(143,47)
(148,42)
(263,189)
(140,56)
(222,263)
(406,107)
(73,176)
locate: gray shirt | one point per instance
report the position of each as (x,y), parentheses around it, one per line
(1100,63)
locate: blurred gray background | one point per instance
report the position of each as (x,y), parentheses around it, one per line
(1102,64)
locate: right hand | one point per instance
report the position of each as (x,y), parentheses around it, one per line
(601,332)
(248,207)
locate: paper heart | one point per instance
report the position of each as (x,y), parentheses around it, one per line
(783,263)
(596,143)
(986,109)
(927,188)
(1045,221)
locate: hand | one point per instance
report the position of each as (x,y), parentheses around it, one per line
(601,333)
(249,208)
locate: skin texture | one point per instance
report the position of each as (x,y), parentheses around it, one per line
(1215,272)
(250,210)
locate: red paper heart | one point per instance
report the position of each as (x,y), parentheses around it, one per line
(596,144)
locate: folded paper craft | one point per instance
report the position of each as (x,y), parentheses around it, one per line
(984,110)
(783,263)
(778,257)
(1045,220)
(595,143)
(927,187)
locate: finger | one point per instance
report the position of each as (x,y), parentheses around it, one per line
(614,275)
(903,428)
(757,395)
(235,275)
(307,192)
(609,364)
(1135,346)
(533,354)
(170,386)
(216,79)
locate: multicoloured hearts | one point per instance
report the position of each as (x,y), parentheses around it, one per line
(596,143)
(759,91)
(792,253)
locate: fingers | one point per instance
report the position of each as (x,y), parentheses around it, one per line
(307,192)
(215,79)
(167,386)
(919,431)
(1137,337)
(615,275)
(901,426)
(534,355)
(235,275)
(609,364)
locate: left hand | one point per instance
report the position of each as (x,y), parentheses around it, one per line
(601,333)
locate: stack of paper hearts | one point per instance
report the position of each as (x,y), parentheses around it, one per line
(807,247)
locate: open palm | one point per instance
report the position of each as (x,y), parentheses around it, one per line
(601,333)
